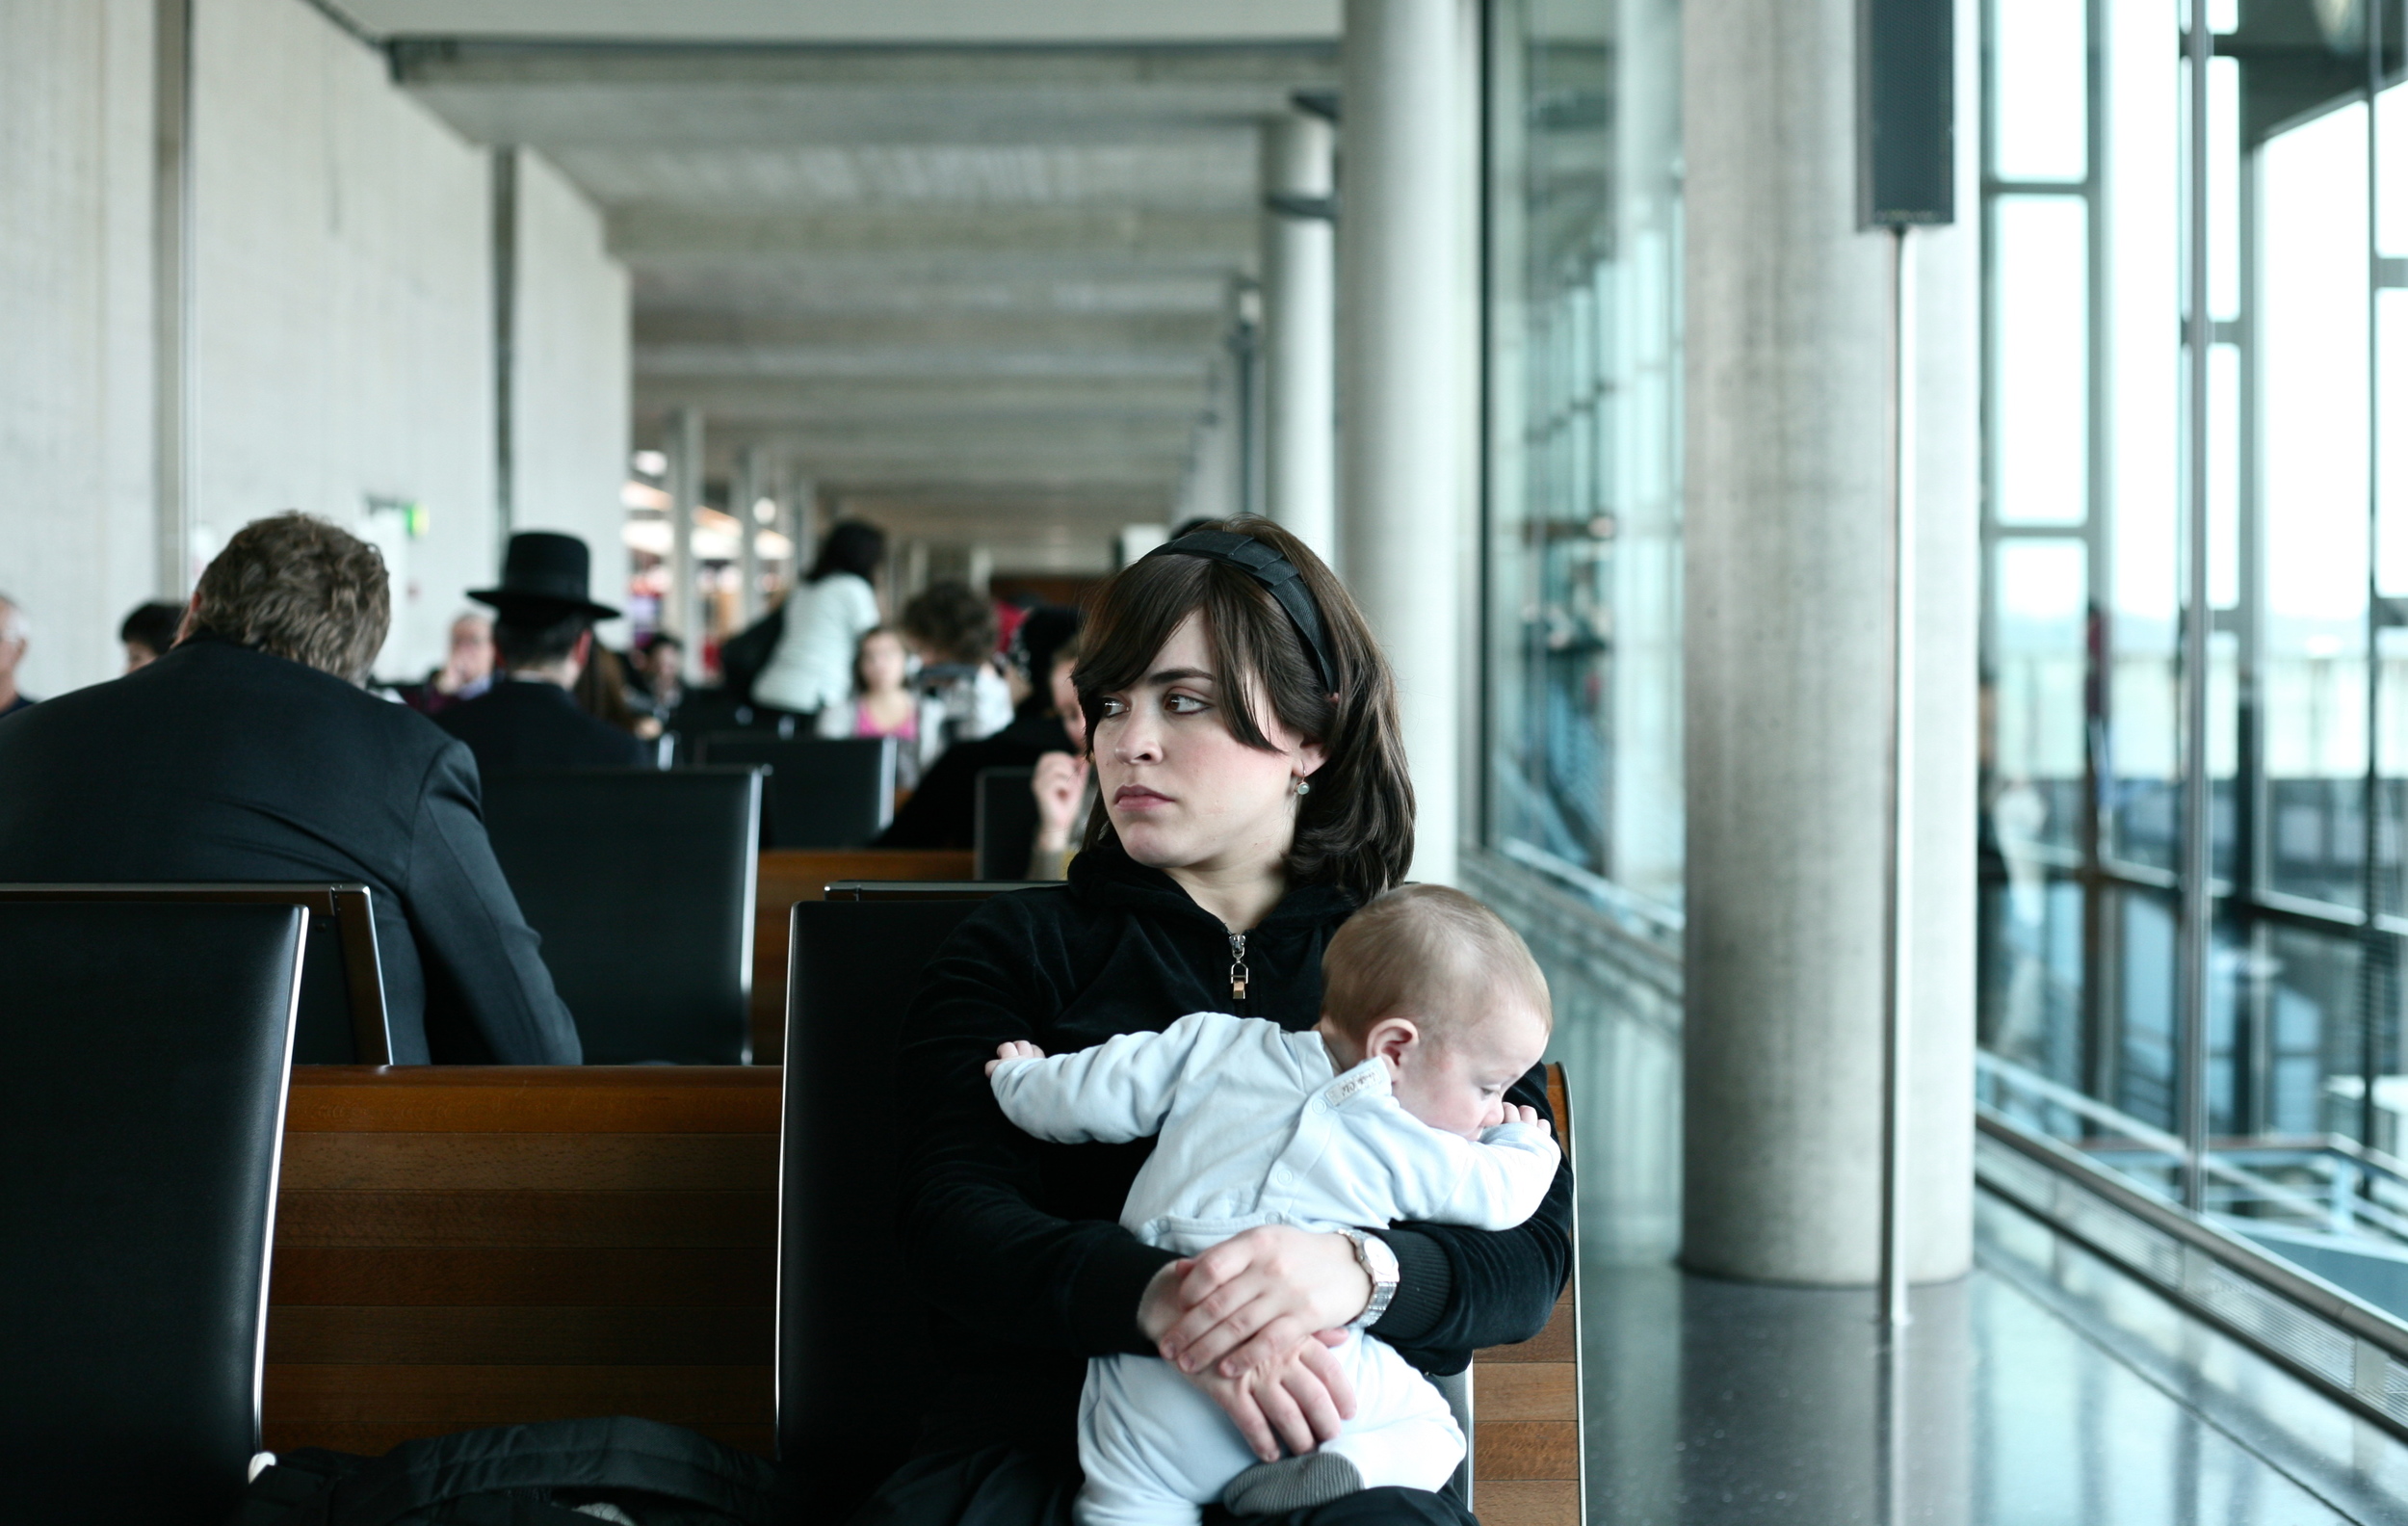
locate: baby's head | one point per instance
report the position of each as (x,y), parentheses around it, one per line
(1437,985)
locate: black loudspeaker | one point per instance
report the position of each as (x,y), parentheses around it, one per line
(1906,112)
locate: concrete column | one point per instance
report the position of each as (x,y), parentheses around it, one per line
(682,610)
(171,258)
(1787,650)
(1300,330)
(751,484)
(800,519)
(1406,309)
(505,231)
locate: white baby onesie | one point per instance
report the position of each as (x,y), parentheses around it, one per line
(1257,1127)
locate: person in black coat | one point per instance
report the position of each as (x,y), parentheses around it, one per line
(542,639)
(249,753)
(1254,794)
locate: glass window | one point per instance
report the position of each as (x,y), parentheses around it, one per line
(2303,496)
(2040,387)
(2041,93)
(1584,765)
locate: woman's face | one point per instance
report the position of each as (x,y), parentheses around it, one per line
(881,664)
(1181,791)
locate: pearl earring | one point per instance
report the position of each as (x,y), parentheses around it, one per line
(1304,787)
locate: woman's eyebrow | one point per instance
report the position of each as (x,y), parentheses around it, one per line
(1172,675)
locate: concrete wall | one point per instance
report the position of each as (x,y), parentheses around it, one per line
(343,352)
(342,341)
(571,379)
(76,518)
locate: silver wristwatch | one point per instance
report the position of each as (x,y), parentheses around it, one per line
(1379,1264)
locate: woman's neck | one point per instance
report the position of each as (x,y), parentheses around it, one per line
(1239,897)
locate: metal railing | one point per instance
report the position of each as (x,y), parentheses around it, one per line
(2336,1342)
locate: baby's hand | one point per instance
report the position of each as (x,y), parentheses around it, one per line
(1515,1112)
(1022,1049)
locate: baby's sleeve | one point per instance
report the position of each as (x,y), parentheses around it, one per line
(1121,1090)
(1495,1182)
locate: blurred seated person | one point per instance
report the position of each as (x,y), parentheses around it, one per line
(250,752)
(148,632)
(601,692)
(943,811)
(1063,783)
(656,674)
(12,640)
(542,640)
(468,669)
(883,703)
(798,657)
(962,697)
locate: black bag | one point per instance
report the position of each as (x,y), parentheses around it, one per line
(560,1473)
(742,656)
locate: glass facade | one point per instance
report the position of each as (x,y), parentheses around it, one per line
(2092,228)
(1583,495)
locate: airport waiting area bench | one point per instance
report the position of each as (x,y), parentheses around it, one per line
(463,1247)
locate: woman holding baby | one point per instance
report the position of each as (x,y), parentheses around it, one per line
(1241,727)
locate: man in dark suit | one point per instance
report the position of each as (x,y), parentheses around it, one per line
(542,639)
(249,753)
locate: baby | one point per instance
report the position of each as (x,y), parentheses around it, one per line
(1393,1108)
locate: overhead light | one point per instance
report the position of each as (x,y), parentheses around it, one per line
(651,462)
(765,510)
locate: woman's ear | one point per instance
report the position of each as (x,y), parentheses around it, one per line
(1309,758)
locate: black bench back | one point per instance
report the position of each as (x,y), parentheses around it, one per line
(820,793)
(141,1113)
(642,883)
(851,1360)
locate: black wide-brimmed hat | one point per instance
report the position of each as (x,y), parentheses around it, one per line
(544,573)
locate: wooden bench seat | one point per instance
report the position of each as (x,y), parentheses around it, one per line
(789,874)
(471,1246)
(466,1247)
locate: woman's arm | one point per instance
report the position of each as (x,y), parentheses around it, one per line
(971,1181)
(1250,1299)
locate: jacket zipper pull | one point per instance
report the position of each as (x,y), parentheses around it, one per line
(1239,974)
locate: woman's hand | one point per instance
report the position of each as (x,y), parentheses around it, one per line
(1249,1301)
(1297,1402)
(1058,782)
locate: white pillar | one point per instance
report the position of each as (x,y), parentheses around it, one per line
(1300,330)
(681,611)
(1406,310)
(798,519)
(752,482)
(1787,650)
(173,314)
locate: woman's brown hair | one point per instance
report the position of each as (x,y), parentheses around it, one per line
(1354,828)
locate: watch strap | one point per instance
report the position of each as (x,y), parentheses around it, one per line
(1380,1266)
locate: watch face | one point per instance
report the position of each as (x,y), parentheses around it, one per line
(1379,1261)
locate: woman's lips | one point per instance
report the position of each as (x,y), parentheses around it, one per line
(1137,796)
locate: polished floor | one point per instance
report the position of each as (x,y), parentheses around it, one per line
(2044,1391)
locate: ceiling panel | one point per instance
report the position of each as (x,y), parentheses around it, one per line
(853,20)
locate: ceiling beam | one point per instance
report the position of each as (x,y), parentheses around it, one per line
(422,61)
(982,238)
(1026,402)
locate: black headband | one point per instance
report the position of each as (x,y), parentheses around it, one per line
(1274,572)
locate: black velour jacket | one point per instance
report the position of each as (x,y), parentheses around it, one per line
(1016,1242)
(220,763)
(521,724)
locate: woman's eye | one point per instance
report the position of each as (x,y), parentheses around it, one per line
(1115,707)
(1184,705)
